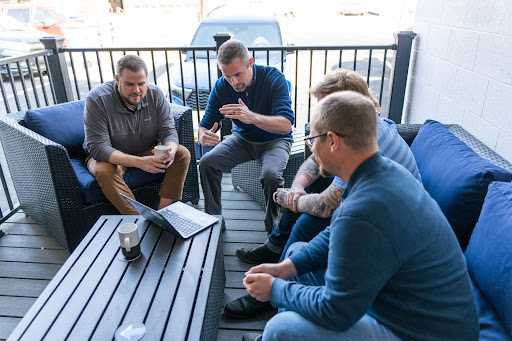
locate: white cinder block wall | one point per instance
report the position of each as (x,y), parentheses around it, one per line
(461,68)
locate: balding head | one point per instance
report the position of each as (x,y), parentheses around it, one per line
(350,115)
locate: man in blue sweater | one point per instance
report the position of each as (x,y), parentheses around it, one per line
(256,98)
(389,266)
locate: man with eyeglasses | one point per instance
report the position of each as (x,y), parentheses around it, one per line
(312,198)
(388,267)
(256,98)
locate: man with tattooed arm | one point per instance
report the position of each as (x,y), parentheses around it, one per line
(312,198)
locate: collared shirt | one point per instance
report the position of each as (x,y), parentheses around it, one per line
(110,125)
(392,146)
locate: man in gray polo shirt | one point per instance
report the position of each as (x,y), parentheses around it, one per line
(124,119)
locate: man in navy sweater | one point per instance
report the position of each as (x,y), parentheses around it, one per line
(389,266)
(256,98)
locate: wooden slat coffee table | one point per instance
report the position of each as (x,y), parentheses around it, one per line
(175,288)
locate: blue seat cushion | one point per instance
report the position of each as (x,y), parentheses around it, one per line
(455,176)
(61,123)
(489,252)
(90,189)
(491,328)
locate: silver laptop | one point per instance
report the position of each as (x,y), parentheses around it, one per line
(180,219)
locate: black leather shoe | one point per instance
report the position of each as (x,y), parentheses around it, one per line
(252,337)
(246,307)
(258,255)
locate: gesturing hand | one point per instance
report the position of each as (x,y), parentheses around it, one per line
(209,138)
(239,112)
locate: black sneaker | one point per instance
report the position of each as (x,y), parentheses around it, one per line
(246,307)
(258,255)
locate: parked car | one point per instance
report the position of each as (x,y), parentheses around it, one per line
(255,28)
(58,20)
(17,39)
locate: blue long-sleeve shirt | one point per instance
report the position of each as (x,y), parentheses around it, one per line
(267,95)
(391,253)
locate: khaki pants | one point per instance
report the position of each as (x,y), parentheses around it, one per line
(110,179)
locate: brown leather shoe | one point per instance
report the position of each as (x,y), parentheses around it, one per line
(258,255)
(246,307)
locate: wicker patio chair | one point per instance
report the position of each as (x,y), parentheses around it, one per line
(246,175)
(47,186)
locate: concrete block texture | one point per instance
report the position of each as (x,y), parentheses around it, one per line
(493,57)
(485,15)
(421,39)
(454,13)
(438,40)
(469,90)
(483,130)
(422,65)
(462,48)
(423,102)
(429,11)
(448,111)
(443,76)
(506,20)
(503,145)
(498,104)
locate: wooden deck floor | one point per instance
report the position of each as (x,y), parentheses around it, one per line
(29,259)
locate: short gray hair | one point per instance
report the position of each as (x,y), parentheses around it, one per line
(131,62)
(348,114)
(231,50)
(341,80)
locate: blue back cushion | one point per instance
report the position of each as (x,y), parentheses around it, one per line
(489,253)
(61,123)
(91,191)
(454,175)
(491,327)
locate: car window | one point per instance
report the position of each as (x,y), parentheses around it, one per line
(63,12)
(41,16)
(20,14)
(249,34)
(8,23)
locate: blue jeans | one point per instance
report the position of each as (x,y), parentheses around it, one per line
(278,238)
(289,325)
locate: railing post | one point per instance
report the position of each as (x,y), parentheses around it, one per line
(58,69)
(400,68)
(221,38)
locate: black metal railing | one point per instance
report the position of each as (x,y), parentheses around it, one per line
(187,74)
(28,85)
(35,93)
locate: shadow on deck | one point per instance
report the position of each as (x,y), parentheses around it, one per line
(29,259)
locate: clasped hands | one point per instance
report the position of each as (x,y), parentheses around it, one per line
(258,280)
(289,197)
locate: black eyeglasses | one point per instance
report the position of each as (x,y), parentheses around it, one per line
(309,139)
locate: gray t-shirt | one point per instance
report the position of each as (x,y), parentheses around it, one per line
(110,126)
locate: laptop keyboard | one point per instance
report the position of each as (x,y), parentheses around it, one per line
(181,224)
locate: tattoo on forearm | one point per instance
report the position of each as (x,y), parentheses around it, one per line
(309,170)
(323,204)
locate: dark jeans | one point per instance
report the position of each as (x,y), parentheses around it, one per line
(294,227)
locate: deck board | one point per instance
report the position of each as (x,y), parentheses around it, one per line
(29,259)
